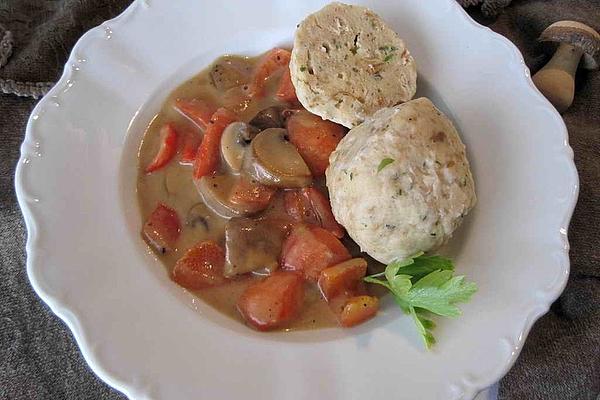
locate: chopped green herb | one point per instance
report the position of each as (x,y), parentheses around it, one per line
(302,68)
(351,175)
(425,284)
(384,163)
(388,57)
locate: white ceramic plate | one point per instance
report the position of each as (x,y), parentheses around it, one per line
(149,339)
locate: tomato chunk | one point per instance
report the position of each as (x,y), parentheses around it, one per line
(310,250)
(209,156)
(272,302)
(358,310)
(200,267)
(191,141)
(196,110)
(167,150)
(309,205)
(286,90)
(342,278)
(249,192)
(271,62)
(314,138)
(162,228)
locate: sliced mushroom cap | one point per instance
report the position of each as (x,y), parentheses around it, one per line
(272,160)
(270,117)
(252,245)
(216,193)
(229,72)
(234,142)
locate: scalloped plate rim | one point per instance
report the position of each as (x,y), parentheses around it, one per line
(62,309)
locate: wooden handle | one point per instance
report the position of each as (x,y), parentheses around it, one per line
(557,79)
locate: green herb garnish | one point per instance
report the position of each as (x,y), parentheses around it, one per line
(384,163)
(425,284)
(388,57)
(302,68)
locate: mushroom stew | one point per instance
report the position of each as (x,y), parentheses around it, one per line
(232,192)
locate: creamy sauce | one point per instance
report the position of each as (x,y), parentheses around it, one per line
(173,185)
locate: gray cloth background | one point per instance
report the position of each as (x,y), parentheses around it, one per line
(38,356)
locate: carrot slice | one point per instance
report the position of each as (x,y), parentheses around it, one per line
(249,192)
(314,138)
(311,250)
(286,90)
(273,301)
(162,228)
(342,277)
(167,149)
(200,267)
(196,110)
(271,62)
(208,156)
(358,310)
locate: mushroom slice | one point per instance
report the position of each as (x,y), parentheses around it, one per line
(216,192)
(252,245)
(270,117)
(272,160)
(236,138)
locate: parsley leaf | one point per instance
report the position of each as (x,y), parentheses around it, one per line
(425,284)
(384,163)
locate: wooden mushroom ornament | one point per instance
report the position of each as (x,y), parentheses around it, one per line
(556,80)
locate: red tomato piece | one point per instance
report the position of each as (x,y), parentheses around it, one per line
(209,156)
(310,250)
(162,228)
(196,110)
(191,141)
(272,302)
(200,267)
(167,150)
(314,138)
(309,205)
(249,192)
(342,278)
(286,90)
(358,310)
(271,62)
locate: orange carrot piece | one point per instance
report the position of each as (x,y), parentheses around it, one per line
(286,90)
(271,62)
(200,267)
(314,138)
(249,192)
(208,156)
